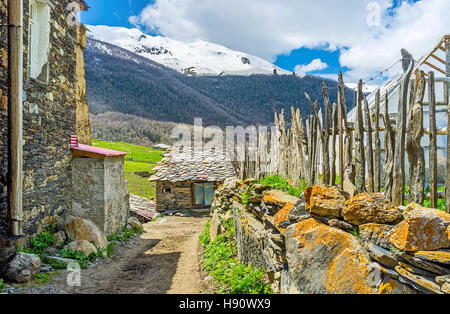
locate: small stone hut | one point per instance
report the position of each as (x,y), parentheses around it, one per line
(187,181)
(100,192)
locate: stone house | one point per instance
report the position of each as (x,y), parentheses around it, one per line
(187,181)
(54,109)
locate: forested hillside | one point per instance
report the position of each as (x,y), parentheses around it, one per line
(121,81)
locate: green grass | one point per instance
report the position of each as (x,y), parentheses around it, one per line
(220,261)
(283,184)
(139,159)
(2,284)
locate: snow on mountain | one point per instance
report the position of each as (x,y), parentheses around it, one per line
(199,57)
(367,89)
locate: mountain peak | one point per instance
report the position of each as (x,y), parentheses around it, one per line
(190,58)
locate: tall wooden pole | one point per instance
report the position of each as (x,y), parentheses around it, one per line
(341,136)
(447,179)
(15,88)
(377,160)
(398,186)
(433,140)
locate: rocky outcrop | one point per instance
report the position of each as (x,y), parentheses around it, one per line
(324,242)
(323,259)
(22,267)
(82,229)
(325,201)
(367,208)
(423,229)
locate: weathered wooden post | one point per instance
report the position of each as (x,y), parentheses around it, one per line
(326,136)
(433,141)
(389,148)
(360,162)
(369,149)
(398,184)
(15,121)
(333,147)
(341,131)
(447,179)
(377,142)
(415,151)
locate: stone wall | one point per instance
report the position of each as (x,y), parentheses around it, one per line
(100,192)
(49,120)
(117,204)
(179,198)
(324,242)
(82,112)
(3,115)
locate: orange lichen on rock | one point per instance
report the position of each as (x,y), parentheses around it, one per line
(387,287)
(371,208)
(325,201)
(279,198)
(424,229)
(282,215)
(335,260)
(376,233)
(442,257)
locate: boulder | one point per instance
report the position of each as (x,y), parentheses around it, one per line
(22,267)
(431,267)
(424,229)
(325,201)
(377,234)
(135,223)
(299,212)
(60,238)
(323,259)
(82,229)
(367,208)
(214,226)
(82,246)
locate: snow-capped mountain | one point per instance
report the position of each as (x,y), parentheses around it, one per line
(199,57)
(367,89)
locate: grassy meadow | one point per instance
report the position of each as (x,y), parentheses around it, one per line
(139,159)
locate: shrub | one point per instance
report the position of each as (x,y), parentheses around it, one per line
(283,184)
(221,262)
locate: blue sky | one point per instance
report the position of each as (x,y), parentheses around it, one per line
(276,33)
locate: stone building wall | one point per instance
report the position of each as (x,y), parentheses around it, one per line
(100,192)
(116,195)
(179,198)
(49,118)
(3,114)
(83,123)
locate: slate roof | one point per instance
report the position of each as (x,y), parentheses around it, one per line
(187,166)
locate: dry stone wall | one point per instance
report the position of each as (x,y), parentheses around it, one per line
(326,242)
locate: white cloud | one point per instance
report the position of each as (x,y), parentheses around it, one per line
(315,65)
(268,28)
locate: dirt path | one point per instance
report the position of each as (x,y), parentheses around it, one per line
(165,259)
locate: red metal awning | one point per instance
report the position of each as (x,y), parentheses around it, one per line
(94,152)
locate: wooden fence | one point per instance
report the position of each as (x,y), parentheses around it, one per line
(323,149)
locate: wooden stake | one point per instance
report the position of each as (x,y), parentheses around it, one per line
(15,121)
(341,131)
(360,162)
(369,149)
(333,145)
(377,178)
(326,137)
(415,151)
(447,179)
(389,148)
(398,186)
(433,142)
